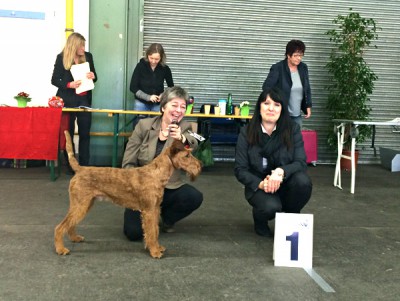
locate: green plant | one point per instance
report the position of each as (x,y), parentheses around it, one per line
(352,80)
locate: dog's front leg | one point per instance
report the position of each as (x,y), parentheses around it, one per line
(150,230)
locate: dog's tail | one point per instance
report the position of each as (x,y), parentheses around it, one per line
(71,156)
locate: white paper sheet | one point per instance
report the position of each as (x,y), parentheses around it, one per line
(79,72)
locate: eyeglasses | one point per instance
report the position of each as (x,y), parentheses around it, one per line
(298,55)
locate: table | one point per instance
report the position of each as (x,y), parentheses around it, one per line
(30,133)
(116,113)
(340,140)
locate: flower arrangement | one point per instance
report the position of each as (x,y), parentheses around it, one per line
(56,102)
(244,104)
(22,99)
(22,95)
(190,105)
(244,108)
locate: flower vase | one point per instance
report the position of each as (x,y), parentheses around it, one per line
(189,109)
(245,111)
(22,101)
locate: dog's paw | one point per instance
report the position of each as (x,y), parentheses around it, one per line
(77,238)
(62,251)
(157,252)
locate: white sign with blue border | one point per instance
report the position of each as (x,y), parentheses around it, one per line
(293,240)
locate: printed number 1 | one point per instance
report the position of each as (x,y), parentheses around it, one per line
(294,249)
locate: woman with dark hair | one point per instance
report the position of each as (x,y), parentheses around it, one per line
(291,76)
(271,162)
(150,137)
(148,79)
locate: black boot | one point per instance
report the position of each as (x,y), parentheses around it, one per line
(261,224)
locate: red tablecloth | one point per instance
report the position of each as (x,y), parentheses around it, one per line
(29,133)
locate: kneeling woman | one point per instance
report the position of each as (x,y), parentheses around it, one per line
(150,137)
(271,162)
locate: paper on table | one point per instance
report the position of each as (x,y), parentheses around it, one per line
(79,72)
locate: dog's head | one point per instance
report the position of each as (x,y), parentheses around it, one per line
(182,158)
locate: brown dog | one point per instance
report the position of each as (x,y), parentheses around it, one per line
(140,188)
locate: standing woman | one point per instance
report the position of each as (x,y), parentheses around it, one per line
(271,163)
(74,53)
(148,78)
(291,77)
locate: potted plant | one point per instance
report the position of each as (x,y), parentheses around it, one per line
(244,108)
(352,80)
(22,99)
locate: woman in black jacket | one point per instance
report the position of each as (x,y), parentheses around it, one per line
(271,162)
(291,76)
(148,79)
(74,53)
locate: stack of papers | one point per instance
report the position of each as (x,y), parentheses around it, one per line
(79,72)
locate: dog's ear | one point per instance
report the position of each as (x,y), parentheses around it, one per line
(176,147)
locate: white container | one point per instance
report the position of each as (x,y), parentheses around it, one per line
(222,106)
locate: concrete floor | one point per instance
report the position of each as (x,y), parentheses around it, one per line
(213,255)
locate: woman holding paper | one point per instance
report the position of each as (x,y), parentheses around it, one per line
(76,92)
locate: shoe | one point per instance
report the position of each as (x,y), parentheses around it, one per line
(266,231)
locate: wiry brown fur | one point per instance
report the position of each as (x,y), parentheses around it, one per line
(140,188)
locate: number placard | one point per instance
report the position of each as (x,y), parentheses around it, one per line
(293,240)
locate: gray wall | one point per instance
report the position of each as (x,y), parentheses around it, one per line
(217,47)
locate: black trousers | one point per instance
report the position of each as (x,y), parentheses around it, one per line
(176,205)
(291,197)
(84,121)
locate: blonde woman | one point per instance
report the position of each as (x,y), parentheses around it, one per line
(74,53)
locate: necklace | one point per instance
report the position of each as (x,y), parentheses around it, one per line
(162,133)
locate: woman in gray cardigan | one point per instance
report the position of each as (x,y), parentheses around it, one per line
(150,137)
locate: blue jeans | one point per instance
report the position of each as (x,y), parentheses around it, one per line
(298,120)
(141,106)
(147,106)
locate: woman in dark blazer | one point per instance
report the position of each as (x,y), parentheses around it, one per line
(271,162)
(291,77)
(74,53)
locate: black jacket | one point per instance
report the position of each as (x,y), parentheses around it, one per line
(149,81)
(61,77)
(279,76)
(248,160)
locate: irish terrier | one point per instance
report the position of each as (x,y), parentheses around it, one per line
(140,188)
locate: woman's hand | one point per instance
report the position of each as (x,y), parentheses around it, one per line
(75,84)
(90,75)
(176,132)
(272,182)
(154,98)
